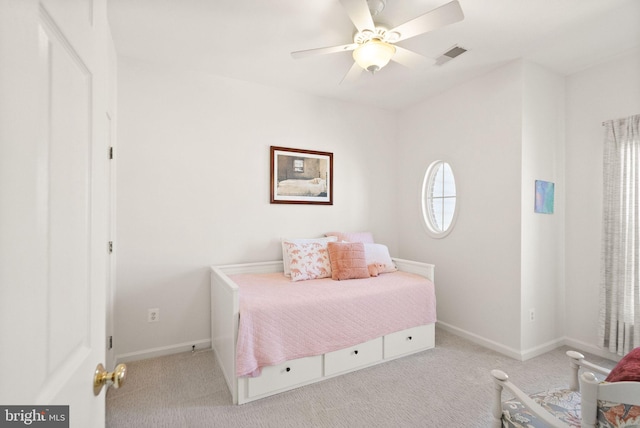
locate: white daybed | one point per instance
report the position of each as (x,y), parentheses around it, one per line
(225,314)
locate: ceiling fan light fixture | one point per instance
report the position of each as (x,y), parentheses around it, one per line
(373,55)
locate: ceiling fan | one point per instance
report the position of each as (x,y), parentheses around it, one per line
(374,45)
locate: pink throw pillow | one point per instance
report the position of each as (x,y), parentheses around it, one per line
(347,260)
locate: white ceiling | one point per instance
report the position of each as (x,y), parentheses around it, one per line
(252,39)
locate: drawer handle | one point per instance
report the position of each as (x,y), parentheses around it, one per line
(355,352)
(409,338)
(288,369)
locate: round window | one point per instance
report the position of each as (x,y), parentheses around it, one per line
(439,199)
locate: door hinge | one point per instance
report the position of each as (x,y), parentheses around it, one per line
(111,152)
(109,342)
(110,247)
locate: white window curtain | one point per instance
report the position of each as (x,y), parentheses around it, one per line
(619,326)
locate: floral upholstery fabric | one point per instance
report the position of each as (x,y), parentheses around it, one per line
(618,415)
(564,404)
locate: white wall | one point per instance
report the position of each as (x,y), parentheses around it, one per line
(193,190)
(193,155)
(607,91)
(500,132)
(477,128)
(542,247)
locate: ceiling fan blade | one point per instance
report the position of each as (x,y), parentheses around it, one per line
(358,12)
(323,51)
(411,59)
(353,74)
(432,20)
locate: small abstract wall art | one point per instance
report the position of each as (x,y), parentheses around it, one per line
(544,197)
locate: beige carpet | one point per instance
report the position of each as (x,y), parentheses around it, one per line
(448,386)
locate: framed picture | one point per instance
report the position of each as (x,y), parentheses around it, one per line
(544,197)
(301,176)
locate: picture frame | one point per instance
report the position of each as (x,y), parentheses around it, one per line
(301,176)
(544,199)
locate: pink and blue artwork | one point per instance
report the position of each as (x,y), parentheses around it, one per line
(544,197)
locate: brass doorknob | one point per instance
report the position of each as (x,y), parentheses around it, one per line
(102,377)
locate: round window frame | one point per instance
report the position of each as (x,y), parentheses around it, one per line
(424,210)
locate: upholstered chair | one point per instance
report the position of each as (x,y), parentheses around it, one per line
(589,401)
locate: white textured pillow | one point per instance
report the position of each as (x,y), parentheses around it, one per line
(379,253)
(309,260)
(286,260)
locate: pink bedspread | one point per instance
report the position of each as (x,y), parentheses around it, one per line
(282,320)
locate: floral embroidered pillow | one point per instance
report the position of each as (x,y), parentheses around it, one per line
(285,257)
(307,260)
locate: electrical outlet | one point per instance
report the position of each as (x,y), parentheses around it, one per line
(532,315)
(153,315)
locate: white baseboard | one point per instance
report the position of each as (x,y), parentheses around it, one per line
(494,346)
(162,351)
(472,337)
(529,353)
(591,349)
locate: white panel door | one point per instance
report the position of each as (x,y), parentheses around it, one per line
(53,203)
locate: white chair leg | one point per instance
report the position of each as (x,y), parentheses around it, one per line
(576,357)
(498,377)
(589,399)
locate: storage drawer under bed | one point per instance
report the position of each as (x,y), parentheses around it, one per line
(303,371)
(285,375)
(409,340)
(353,357)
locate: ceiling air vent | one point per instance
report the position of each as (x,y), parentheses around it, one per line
(449,55)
